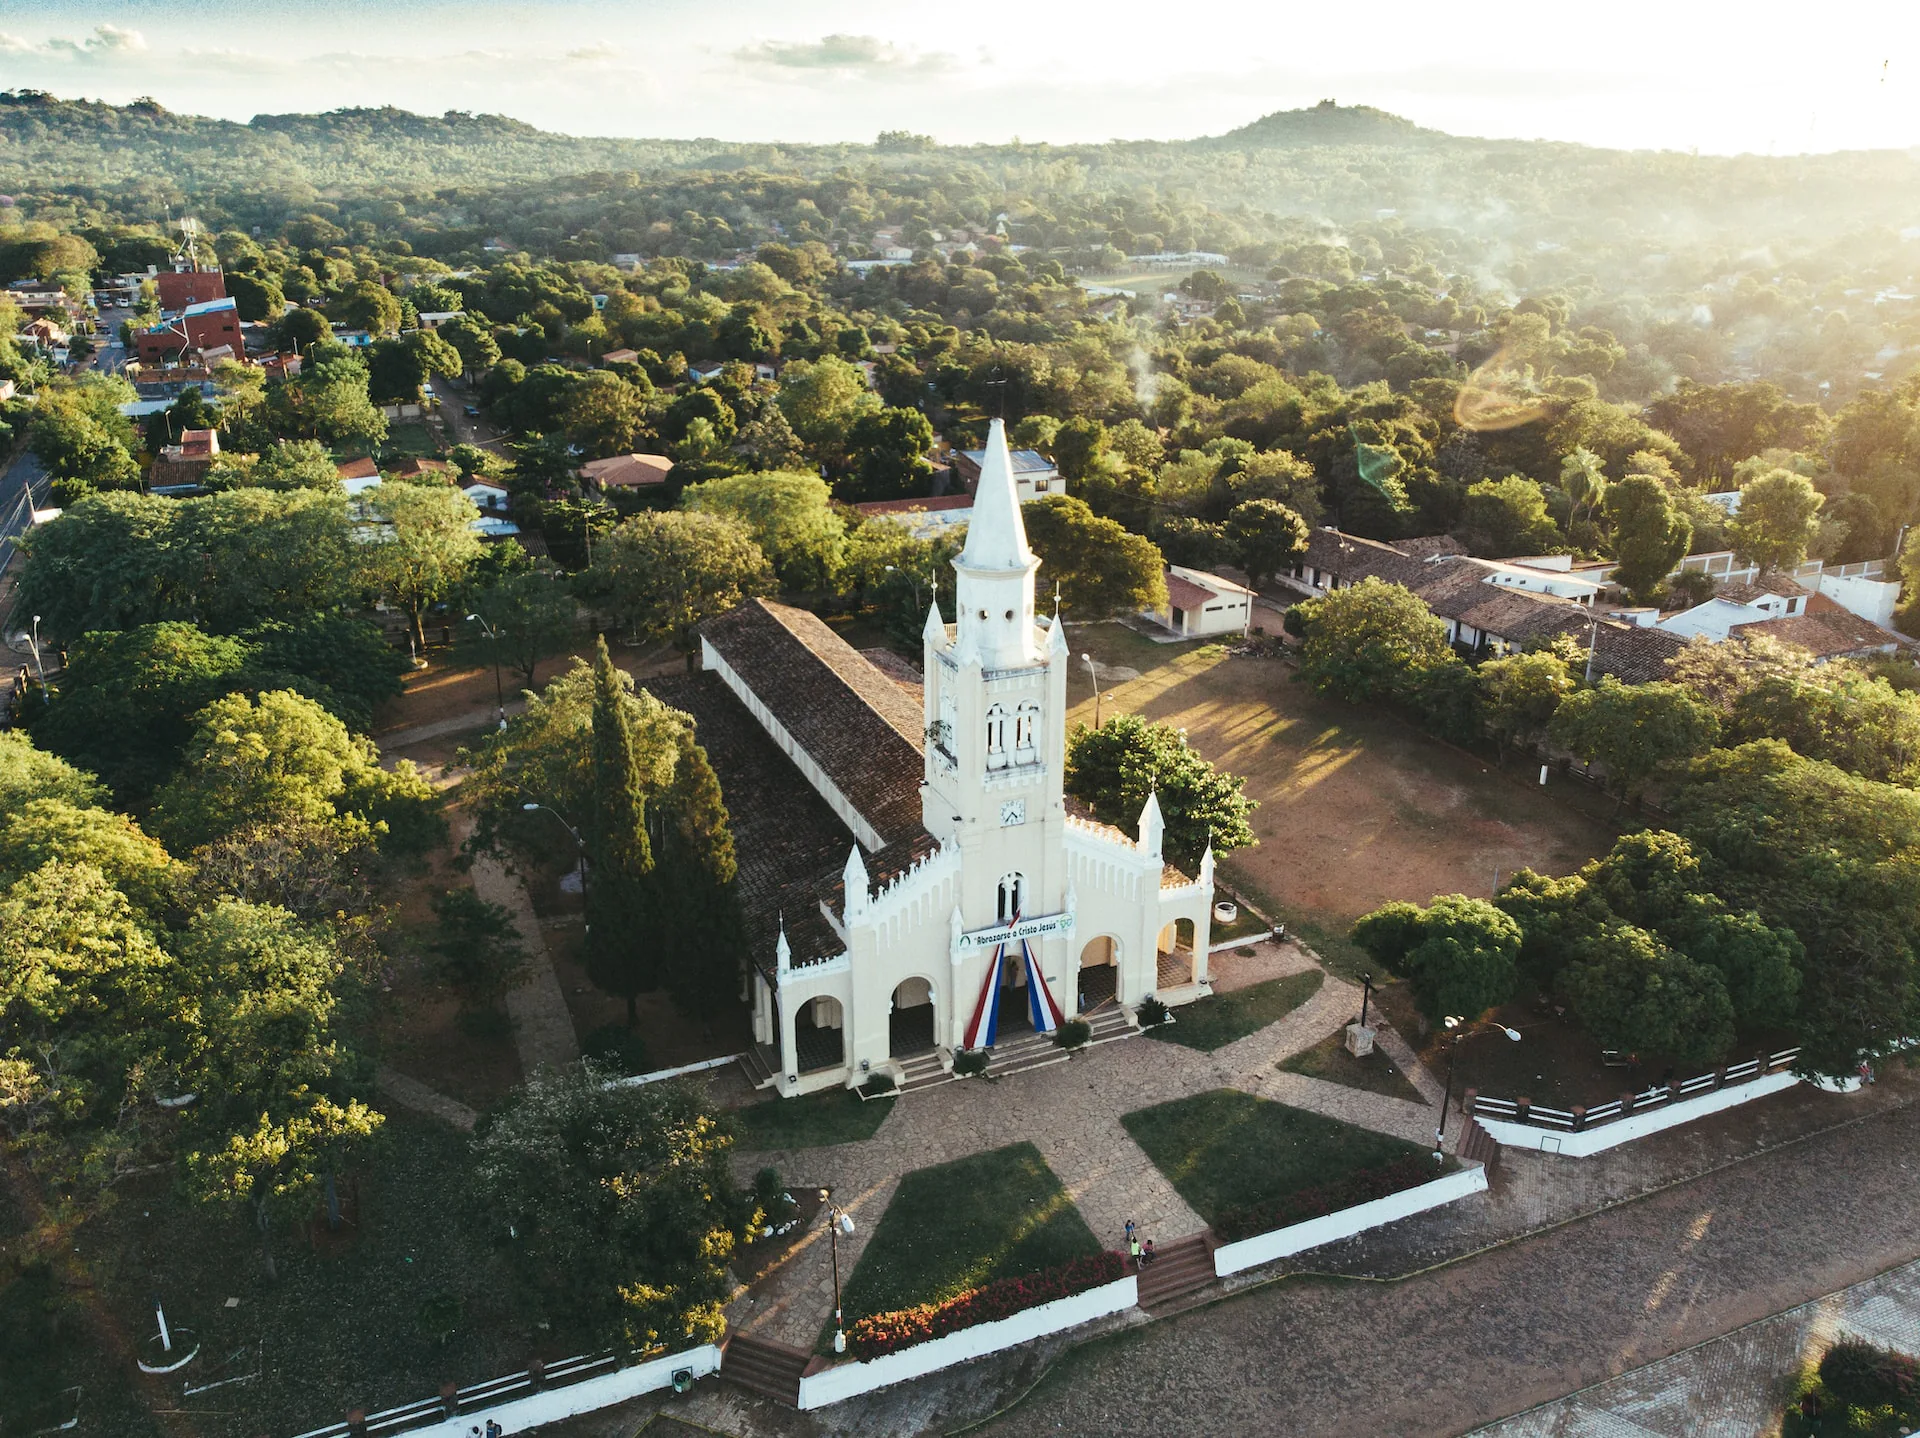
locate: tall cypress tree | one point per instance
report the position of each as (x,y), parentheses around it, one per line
(703,935)
(619,942)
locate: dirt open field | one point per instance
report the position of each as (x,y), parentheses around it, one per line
(1356,806)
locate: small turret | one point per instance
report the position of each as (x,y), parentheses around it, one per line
(1153,828)
(935,629)
(855,876)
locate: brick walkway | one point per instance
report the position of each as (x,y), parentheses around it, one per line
(542,1024)
(1071,1112)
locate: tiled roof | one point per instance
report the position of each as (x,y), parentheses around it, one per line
(916,506)
(902,671)
(1777,587)
(627,470)
(1424,545)
(787,841)
(357,469)
(1632,654)
(861,727)
(1825,636)
(1185,594)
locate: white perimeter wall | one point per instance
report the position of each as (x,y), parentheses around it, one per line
(1602,1137)
(847,1380)
(1332,1227)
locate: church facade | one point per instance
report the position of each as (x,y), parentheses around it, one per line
(975,901)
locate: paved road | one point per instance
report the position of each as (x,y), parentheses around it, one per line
(25,474)
(1450,1350)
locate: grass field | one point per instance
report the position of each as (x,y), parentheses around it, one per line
(818,1119)
(958,1225)
(1219,1019)
(1357,807)
(1376,1073)
(1226,1149)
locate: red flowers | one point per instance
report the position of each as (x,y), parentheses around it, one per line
(1362,1186)
(881,1333)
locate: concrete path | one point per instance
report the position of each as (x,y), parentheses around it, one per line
(471,722)
(543,1029)
(411,1093)
(1408,1062)
(1730,1387)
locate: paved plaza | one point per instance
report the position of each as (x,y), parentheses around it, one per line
(1071,1112)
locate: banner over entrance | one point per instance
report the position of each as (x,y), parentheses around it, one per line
(1019,931)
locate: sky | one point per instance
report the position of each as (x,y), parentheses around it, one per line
(1705,75)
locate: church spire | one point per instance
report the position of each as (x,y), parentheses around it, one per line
(996,534)
(935,629)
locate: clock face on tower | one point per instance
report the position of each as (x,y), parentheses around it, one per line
(1013,811)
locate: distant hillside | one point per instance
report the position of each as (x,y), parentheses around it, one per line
(1327,123)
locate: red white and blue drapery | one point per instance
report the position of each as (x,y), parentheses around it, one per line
(1041,1008)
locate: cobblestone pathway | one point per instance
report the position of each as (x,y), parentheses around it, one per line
(1071,1112)
(543,1030)
(1731,1387)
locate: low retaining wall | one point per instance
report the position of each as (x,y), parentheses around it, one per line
(1332,1227)
(848,1380)
(635,1080)
(1601,1137)
(534,1409)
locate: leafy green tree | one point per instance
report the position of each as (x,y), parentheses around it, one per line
(106,563)
(1458,956)
(1520,693)
(28,773)
(1508,516)
(1268,536)
(625,1207)
(1370,640)
(330,402)
(82,981)
(423,548)
(80,452)
(1649,536)
(1282,477)
(366,305)
(1779,517)
(1101,569)
(890,567)
(606,415)
(1633,731)
(1115,767)
(127,701)
(1584,480)
(43,831)
(257,297)
(283,757)
(340,660)
(288,464)
(889,449)
(479,952)
(791,518)
(769,443)
(522,619)
(473,342)
(397,369)
(664,573)
(1632,992)
(250,555)
(822,399)
(258,1042)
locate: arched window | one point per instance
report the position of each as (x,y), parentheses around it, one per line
(998,756)
(1026,734)
(1010,888)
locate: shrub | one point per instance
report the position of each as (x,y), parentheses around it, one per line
(1361,1186)
(970,1061)
(1863,1375)
(880,1333)
(617,1047)
(1151,1012)
(1073,1033)
(877,1084)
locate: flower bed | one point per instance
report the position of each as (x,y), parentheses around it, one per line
(1358,1187)
(882,1333)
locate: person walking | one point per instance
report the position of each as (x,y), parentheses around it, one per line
(1130,1231)
(1133,1250)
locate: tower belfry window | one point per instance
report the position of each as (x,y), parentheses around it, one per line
(1026,734)
(1010,887)
(998,755)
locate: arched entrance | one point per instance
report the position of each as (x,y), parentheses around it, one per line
(1177,964)
(819,1035)
(1099,972)
(910,1024)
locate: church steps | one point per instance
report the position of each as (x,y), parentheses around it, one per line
(764,1367)
(1182,1267)
(758,1064)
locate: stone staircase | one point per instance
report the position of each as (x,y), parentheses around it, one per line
(764,1367)
(760,1064)
(1184,1266)
(1017,1055)
(1478,1146)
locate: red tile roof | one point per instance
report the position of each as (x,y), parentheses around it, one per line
(938,502)
(357,469)
(627,470)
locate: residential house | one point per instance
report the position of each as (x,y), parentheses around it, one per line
(630,472)
(614,357)
(1033,472)
(433,319)
(1735,605)
(180,289)
(924,517)
(200,327)
(1201,605)
(416,468)
(487,498)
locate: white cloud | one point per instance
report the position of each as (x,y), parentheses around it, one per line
(850,53)
(105,41)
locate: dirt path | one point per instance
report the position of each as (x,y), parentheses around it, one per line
(542,1027)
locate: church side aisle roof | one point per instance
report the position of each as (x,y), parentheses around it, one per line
(785,838)
(860,726)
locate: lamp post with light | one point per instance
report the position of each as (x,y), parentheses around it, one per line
(493,642)
(1093,674)
(1455,1025)
(839,1222)
(579,843)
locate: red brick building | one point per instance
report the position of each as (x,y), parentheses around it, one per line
(198,327)
(178,289)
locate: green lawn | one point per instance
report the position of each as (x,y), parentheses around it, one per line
(815,1121)
(408,436)
(1213,1022)
(958,1225)
(1226,1149)
(1376,1073)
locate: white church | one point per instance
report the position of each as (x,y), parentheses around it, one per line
(915,882)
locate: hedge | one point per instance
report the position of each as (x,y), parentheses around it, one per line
(881,1333)
(1361,1186)
(1863,1375)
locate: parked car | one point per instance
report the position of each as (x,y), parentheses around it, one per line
(471,411)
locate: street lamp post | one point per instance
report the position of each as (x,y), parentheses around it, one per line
(579,843)
(839,1222)
(1446,1099)
(493,638)
(1366,994)
(911,579)
(39,669)
(1093,674)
